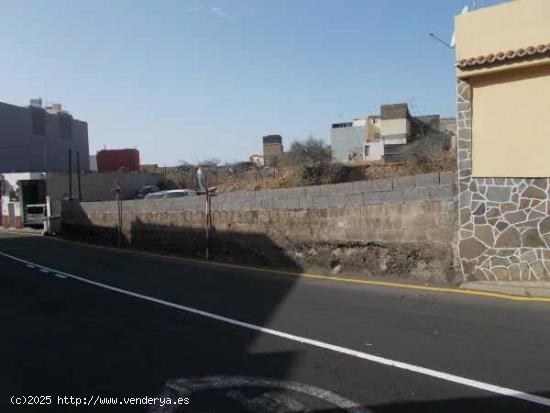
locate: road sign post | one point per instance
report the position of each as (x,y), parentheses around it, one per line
(117,191)
(119,218)
(208,223)
(203,184)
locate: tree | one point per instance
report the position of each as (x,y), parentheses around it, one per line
(310,152)
(210,162)
(426,154)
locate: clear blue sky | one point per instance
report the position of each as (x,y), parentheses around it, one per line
(191,79)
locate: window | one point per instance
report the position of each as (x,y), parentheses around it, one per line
(155,195)
(367,150)
(176,194)
(342,125)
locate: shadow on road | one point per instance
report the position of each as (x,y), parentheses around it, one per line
(64,338)
(67,338)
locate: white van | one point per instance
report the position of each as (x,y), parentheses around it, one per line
(35,214)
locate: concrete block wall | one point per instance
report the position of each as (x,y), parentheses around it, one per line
(96,186)
(389,227)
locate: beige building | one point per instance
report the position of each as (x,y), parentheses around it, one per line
(503,67)
(389,133)
(395,122)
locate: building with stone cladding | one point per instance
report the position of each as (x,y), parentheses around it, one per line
(503,97)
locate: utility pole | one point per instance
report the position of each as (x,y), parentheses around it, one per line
(119,217)
(47,228)
(45,162)
(70,174)
(78,175)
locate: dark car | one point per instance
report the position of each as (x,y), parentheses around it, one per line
(147,189)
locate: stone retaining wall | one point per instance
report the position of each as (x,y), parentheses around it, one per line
(399,227)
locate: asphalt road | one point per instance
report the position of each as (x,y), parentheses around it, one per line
(95,323)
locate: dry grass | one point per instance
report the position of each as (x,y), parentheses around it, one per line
(287,175)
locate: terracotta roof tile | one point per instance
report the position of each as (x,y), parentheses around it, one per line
(503,56)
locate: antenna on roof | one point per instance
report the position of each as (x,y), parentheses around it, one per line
(452,44)
(440,40)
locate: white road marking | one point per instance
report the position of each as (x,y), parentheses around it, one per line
(56,274)
(44,270)
(273,399)
(504,391)
(266,402)
(30,266)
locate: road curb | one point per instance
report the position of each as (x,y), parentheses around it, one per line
(531,289)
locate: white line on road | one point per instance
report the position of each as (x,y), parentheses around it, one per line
(270,399)
(43,269)
(504,391)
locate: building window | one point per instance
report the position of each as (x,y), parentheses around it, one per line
(367,150)
(342,125)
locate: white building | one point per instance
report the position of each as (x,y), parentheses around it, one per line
(347,140)
(382,137)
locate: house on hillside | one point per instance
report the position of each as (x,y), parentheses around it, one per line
(386,136)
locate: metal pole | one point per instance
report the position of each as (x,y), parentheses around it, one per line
(207,224)
(47,227)
(119,218)
(48,208)
(78,176)
(70,175)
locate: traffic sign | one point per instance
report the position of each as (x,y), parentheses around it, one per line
(116,188)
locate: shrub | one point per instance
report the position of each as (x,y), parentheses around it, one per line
(426,154)
(310,152)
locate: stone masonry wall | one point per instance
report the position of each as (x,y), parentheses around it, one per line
(400,227)
(504,222)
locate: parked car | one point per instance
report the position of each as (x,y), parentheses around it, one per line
(147,189)
(155,195)
(35,214)
(175,193)
(179,193)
